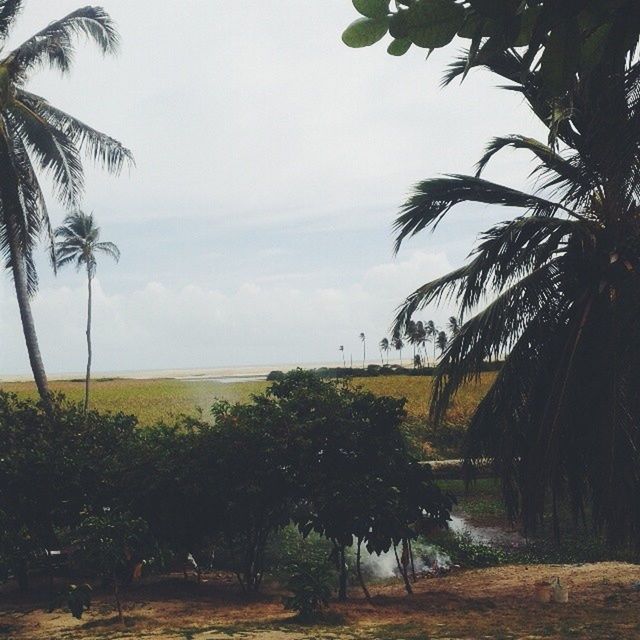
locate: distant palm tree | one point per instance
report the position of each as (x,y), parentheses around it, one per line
(432,335)
(453,324)
(398,344)
(384,348)
(421,340)
(341,349)
(442,341)
(364,348)
(78,241)
(34,136)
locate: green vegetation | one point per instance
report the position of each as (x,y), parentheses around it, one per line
(560,40)
(555,286)
(328,458)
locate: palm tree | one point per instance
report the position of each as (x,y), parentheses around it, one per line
(563,277)
(364,348)
(34,135)
(341,349)
(78,241)
(453,324)
(421,341)
(442,341)
(398,344)
(384,348)
(432,335)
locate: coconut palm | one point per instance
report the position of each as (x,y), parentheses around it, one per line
(341,349)
(363,338)
(398,344)
(563,277)
(432,336)
(453,324)
(37,137)
(78,241)
(384,348)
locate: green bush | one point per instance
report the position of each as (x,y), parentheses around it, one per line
(311,590)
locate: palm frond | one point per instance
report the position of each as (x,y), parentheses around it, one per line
(54,43)
(108,248)
(99,147)
(493,331)
(432,200)
(571,173)
(9,10)
(54,151)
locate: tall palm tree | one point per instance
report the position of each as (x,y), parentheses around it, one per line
(78,241)
(432,335)
(398,344)
(36,136)
(563,277)
(384,348)
(364,348)
(341,349)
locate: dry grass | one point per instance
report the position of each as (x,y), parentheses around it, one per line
(417,391)
(150,400)
(495,603)
(163,399)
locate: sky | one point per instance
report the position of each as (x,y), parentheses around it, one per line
(271,160)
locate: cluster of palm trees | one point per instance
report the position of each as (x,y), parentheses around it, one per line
(419,334)
(36,137)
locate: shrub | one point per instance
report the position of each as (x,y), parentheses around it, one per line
(311,589)
(466,552)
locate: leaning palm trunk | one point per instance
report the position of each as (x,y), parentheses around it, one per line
(88,378)
(20,280)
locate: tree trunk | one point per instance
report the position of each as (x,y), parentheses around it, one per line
(342,585)
(367,595)
(403,571)
(19,270)
(87,382)
(116,593)
(413,566)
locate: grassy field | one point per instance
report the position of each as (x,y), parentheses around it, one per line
(163,399)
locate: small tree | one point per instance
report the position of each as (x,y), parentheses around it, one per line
(251,462)
(107,542)
(356,479)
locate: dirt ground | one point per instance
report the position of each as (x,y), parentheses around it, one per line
(493,603)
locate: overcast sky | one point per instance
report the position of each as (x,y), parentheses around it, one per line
(271,160)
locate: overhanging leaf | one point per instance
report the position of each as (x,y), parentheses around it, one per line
(364,32)
(434,23)
(372,8)
(399,47)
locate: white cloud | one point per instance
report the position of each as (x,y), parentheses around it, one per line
(194,326)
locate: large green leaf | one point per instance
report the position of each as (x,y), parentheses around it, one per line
(434,23)
(399,47)
(372,8)
(364,32)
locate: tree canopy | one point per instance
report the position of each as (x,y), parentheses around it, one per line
(563,39)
